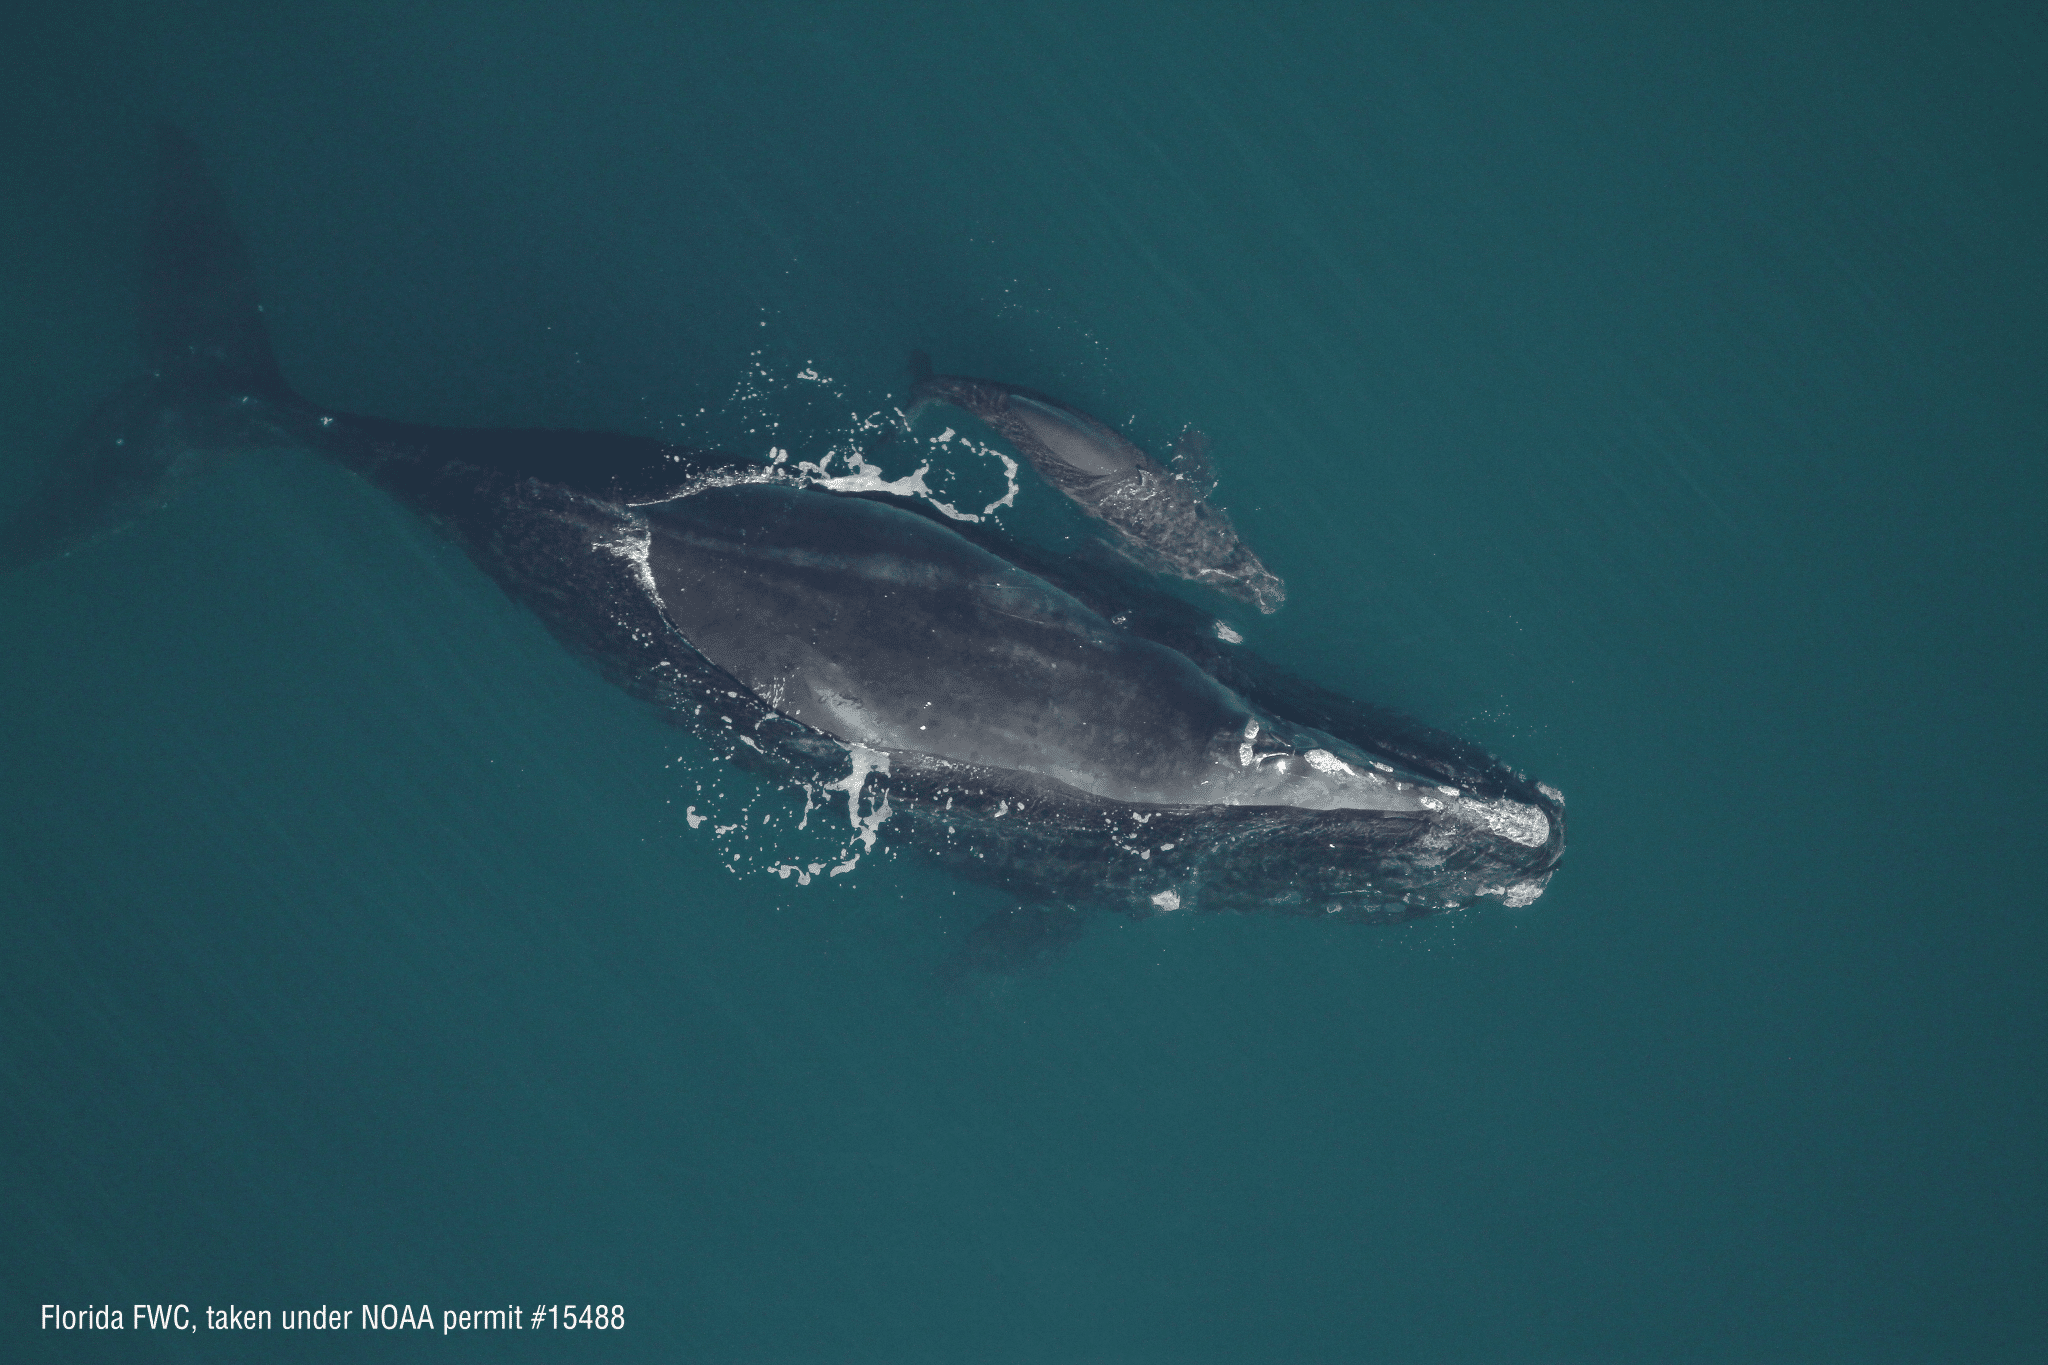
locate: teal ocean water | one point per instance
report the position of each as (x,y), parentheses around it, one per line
(1654,395)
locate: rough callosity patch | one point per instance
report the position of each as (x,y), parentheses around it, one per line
(1434,847)
(1511,820)
(1173,529)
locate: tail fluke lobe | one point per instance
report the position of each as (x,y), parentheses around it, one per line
(202,322)
(213,385)
(123,462)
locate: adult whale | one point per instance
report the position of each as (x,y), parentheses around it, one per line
(1073,733)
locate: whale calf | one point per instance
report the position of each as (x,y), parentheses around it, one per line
(1072,732)
(1162,517)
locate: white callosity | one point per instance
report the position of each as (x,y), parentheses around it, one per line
(1295,766)
(1302,768)
(1525,825)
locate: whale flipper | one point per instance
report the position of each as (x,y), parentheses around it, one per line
(1191,463)
(1015,940)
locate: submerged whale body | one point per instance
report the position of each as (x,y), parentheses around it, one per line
(1074,733)
(1162,517)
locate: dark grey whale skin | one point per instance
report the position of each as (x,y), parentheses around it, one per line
(593,532)
(1163,518)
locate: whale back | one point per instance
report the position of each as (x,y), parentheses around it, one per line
(886,631)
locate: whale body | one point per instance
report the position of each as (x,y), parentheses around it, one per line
(1075,733)
(1162,517)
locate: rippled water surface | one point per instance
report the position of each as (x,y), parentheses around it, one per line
(1656,399)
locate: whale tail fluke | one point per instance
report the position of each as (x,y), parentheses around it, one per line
(212,387)
(202,322)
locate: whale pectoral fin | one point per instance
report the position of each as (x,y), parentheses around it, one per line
(923,392)
(1020,939)
(1191,463)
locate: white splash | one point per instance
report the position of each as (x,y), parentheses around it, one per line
(1167,900)
(632,544)
(865,761)
(1009,497)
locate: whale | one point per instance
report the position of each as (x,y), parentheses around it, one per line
(1070,730)
(1162,517)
